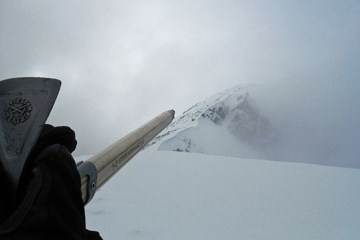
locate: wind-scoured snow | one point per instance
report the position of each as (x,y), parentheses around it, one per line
(191,116)
(227,124)
(171,195)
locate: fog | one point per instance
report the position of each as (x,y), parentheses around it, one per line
(314,123)
(122,63)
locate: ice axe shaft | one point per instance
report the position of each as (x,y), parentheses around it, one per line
(96,171)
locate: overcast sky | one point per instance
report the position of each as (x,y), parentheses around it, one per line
(123,62)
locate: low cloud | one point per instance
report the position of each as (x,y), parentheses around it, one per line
(122,63)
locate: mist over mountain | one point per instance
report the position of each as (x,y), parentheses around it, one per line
(208,175)
(272,122)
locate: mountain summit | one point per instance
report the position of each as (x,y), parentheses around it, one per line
(264,122)
(228,124)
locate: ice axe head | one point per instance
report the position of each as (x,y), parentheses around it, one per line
(25,104)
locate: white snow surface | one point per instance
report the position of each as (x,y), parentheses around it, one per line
(172,195)
(201,178)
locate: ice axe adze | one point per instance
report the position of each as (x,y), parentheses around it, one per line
(25,104)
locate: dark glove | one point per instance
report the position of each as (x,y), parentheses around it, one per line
(51,135)
(50,204)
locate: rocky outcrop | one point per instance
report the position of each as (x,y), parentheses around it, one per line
(240,116)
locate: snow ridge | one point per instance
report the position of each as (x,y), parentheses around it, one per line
(227,123)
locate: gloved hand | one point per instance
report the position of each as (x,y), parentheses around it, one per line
(49,203)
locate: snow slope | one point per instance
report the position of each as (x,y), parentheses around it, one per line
(172,195)
(203,177)
(227,124)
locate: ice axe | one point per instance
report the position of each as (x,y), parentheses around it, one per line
(25,104)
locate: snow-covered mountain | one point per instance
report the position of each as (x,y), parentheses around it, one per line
(241,122)
(228,124)
(207,176)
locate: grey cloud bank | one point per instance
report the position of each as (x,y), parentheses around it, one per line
(124,62)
